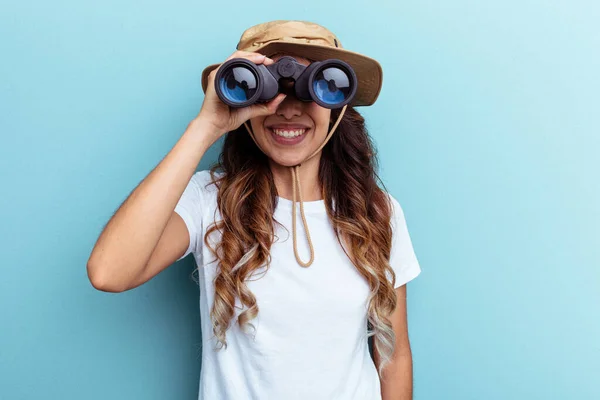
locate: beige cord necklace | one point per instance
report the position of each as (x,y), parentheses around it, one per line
(297,190)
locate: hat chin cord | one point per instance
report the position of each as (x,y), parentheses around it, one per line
(297,190)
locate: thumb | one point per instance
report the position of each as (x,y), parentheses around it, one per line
(259,110)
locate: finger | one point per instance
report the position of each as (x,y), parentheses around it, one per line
(246,54)
(271,106)
(263,109)
(256,58)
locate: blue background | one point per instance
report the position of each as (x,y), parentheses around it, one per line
(487,127)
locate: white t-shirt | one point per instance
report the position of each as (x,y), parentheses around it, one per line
(310,341)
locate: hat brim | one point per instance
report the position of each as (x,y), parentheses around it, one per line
(368,71)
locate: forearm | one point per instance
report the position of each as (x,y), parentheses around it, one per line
(397,383)
(130,236)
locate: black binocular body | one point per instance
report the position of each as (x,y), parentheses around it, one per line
(330,83)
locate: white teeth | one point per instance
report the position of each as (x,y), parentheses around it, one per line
(289,134)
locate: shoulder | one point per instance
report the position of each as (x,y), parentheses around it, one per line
(396,210)
(398,221)
(204,182)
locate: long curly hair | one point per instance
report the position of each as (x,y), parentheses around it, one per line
(247,196)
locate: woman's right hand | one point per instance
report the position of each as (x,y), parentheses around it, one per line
(224,118)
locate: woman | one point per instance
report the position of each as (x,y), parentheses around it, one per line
(284,315)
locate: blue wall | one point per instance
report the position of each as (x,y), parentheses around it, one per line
(488,130)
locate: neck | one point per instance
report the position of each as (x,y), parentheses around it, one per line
(309,180)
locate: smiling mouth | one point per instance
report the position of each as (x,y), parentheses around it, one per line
(289,133)
(288,136)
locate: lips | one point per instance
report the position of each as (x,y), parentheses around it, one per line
(288,133)
(288,136)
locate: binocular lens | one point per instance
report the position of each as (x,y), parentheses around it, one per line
(238,84)
(332,85)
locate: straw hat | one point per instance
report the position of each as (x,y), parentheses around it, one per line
(309,40)
(312,41)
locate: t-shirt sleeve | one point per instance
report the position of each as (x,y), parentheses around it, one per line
(189,207)
(403,259)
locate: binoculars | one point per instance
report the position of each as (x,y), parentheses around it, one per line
(330,83)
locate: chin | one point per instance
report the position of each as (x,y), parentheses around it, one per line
(286,160)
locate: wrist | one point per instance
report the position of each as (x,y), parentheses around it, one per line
(202,127)
(213,125)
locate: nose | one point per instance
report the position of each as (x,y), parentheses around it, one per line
(290,107)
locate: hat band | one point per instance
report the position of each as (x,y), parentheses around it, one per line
(289,39)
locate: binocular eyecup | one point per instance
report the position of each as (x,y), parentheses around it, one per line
(330,83)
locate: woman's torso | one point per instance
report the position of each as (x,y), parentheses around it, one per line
(310,340)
